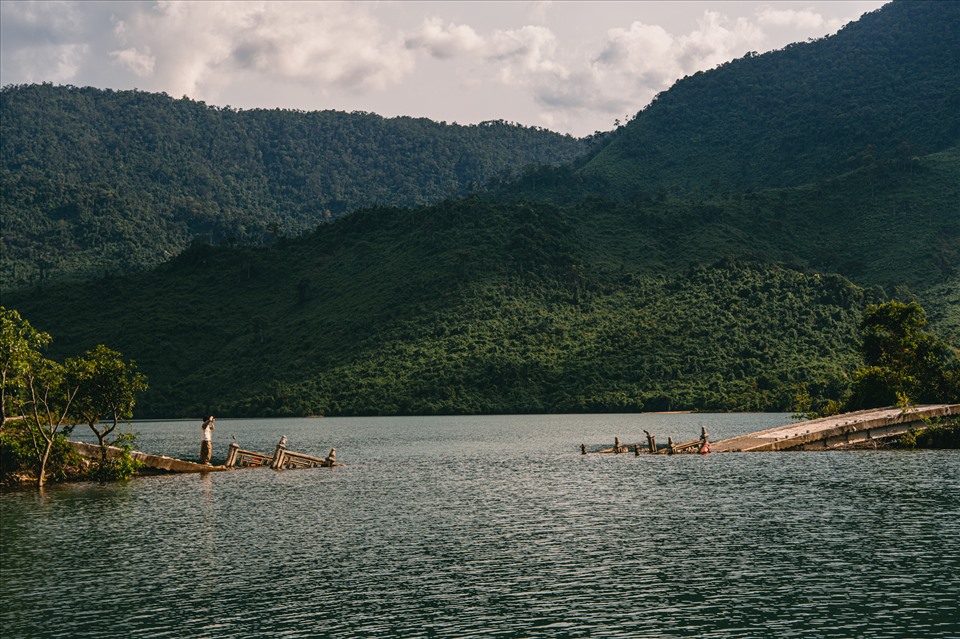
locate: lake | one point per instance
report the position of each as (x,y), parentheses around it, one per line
(461,527)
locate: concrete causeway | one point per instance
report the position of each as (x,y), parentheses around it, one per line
(839,430)
(152,463)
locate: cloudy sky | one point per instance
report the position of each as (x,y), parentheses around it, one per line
(573,67)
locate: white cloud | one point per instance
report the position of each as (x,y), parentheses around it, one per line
(516,53)
(538,10)
(804,19)
(141,63)
(45,41)
(525,52)
(559,64)
(626,68)
(196,47)
(41,23)
(444,41)
(644,52)
(717,39)
(51,63)
(635,63)
(525,57)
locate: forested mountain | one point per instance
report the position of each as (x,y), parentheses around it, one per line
(884,87)
(478,306)
(463,307)
(99,181)
(595,286)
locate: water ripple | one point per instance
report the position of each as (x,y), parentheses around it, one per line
(515,535)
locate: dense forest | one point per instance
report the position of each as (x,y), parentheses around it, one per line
(884,87)
(479,306)
(365,328)
(625,280)
(100,181)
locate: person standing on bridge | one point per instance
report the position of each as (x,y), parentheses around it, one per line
(206,440)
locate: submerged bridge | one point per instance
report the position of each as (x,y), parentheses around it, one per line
(860,429)
(839,431)
(236,458)
(153,464)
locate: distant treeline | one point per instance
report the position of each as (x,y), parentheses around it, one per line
(100,181)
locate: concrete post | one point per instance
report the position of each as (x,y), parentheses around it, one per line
(279,453)
(232,455)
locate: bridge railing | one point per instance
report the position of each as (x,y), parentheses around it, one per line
(281,458)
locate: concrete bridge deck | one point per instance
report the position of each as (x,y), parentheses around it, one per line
(237,458)
(839,430)
(152,463)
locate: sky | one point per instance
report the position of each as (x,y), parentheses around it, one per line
(572,67)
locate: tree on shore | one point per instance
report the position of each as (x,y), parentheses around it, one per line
(34,389)
(50,389)
(48,398)
(903,363)
(20,346)
(108,388)
(36,392)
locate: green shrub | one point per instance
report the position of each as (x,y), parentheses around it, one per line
(18,454)
(123,466)
(943,433)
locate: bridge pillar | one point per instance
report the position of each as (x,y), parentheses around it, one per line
(279,453)
(232,455)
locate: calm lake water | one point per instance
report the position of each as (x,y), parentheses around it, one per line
(492,527)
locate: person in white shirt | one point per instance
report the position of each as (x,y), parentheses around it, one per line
(206,441)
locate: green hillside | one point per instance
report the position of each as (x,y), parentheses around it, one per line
(889,223)
(99,181)
(594,286)
(478,306)
(884,87)
(335,324)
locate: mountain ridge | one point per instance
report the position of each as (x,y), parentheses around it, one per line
(96,181)
(593,306)
(883,87)
(557,292)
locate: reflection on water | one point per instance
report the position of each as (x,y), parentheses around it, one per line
(493,527)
